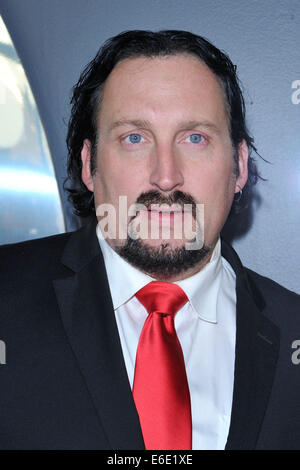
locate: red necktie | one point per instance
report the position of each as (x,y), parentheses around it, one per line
(160,387)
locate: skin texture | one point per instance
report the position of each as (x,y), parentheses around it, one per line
(166,100)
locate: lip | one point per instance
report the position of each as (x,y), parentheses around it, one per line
(170,212)
(166,212)
(172,209)
(165,215)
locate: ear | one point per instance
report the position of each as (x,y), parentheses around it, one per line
(243,155)
(86,174)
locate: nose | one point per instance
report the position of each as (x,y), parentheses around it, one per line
(166,172)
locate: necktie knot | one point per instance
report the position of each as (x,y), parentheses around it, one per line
(163,297)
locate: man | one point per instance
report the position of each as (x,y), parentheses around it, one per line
(124,335)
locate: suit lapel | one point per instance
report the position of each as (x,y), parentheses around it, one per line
(89,321)
(257,346)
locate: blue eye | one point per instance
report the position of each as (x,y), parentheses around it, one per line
(134,138)
(196,138)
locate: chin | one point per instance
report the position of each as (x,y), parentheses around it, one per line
(166,244)
(162,260)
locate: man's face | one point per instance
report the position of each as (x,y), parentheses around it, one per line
(164,137)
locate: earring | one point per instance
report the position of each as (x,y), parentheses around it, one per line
(239,194)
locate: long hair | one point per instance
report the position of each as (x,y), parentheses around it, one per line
(86,102)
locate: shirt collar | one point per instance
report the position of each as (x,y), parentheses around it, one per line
(124,279)
(202,288)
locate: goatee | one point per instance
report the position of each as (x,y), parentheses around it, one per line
(161,262)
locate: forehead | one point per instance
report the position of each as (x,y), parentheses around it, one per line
(178,85)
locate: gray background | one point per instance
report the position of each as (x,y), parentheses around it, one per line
(56,38)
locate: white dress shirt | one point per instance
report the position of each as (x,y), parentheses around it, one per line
(206,327)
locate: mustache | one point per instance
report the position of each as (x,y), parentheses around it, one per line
(177,197)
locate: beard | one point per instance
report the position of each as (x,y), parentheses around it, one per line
(162,261)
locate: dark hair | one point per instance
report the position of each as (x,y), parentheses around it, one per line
(86,101)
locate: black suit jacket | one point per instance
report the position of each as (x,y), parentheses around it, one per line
(64,384)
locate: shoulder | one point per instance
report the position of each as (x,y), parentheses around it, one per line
(31,256)
(262,288)
(270,287)
(280,303)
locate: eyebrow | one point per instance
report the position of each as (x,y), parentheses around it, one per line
(141,123)
(129,122)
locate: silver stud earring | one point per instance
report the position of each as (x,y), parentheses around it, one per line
(239,194)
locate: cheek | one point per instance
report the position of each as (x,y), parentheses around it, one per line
(114,178)
(212,185)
